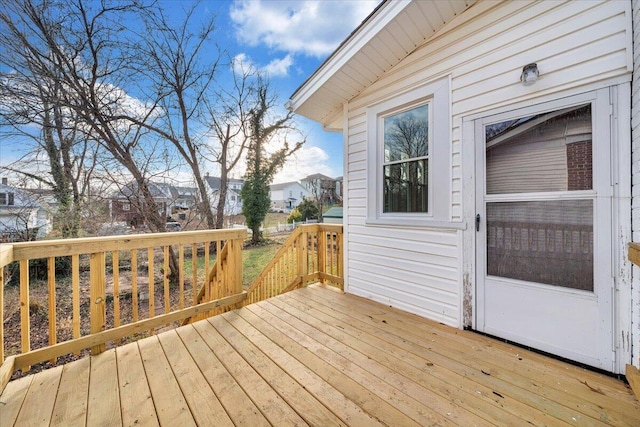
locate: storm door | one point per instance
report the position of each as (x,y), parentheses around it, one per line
(544,228)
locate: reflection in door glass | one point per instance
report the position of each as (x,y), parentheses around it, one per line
(543,241)
(545,152)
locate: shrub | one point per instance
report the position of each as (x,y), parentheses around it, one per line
(295,215)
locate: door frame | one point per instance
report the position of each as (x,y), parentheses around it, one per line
(620,116)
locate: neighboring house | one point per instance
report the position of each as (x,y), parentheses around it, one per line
(287,195)
(488,156)
(321,188)
(333,216)
(183,198)
(22,216)
(233,201)
(126,203)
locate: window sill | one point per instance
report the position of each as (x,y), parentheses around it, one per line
(415,223)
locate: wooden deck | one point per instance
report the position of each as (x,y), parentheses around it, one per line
(318,357)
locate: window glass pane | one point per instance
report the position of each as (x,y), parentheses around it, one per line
(3,198)
(406,187)
(548,242)
(546,152)
(406,134)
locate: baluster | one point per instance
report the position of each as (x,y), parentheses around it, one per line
(151,289)
(205,282)
(51,281)
(25,329)
(75,295)
(167,301)
(115,266)
(134,283)
(181,274)
(194,273)
(322,254)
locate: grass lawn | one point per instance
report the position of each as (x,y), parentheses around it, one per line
(254,259)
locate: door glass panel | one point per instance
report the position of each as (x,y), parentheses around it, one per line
(549,242)
(540,153)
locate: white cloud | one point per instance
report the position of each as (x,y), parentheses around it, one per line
(242,63)
(279,67)
(306,161)
(311,27)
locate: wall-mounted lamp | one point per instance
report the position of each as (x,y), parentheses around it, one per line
(529,74)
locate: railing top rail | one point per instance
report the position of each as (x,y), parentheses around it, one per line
(320,227)
(64,247)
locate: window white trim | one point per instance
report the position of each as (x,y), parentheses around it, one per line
(437,94)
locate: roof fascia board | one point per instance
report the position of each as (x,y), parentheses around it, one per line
(367,31)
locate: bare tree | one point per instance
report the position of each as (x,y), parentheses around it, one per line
(231,127)
(85,48)
(182,79)
(28,98)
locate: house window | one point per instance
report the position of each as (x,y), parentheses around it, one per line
(290,193)
(405,166)
(233,198)
(409,157)
(126,206)
(6,199)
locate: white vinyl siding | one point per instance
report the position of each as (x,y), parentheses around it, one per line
(519,165)
(578,46)
(635,173)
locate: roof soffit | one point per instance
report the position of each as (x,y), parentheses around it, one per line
(388,36)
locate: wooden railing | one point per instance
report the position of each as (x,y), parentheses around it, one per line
(101,268)
(223,279)
(312,253)
(96,316)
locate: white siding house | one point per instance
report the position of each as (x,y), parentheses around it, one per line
(287,195)
(518,178)
(22,217)
(233,200)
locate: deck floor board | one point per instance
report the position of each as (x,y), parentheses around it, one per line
(316,356)
(71,403)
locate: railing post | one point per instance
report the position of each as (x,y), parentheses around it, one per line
(237,257)
(97,281)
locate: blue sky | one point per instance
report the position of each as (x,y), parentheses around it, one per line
(288,40)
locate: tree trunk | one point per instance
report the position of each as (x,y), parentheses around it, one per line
(156,223)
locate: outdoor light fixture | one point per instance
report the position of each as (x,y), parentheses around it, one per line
(529,74)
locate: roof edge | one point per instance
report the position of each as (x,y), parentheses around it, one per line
(384,13)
